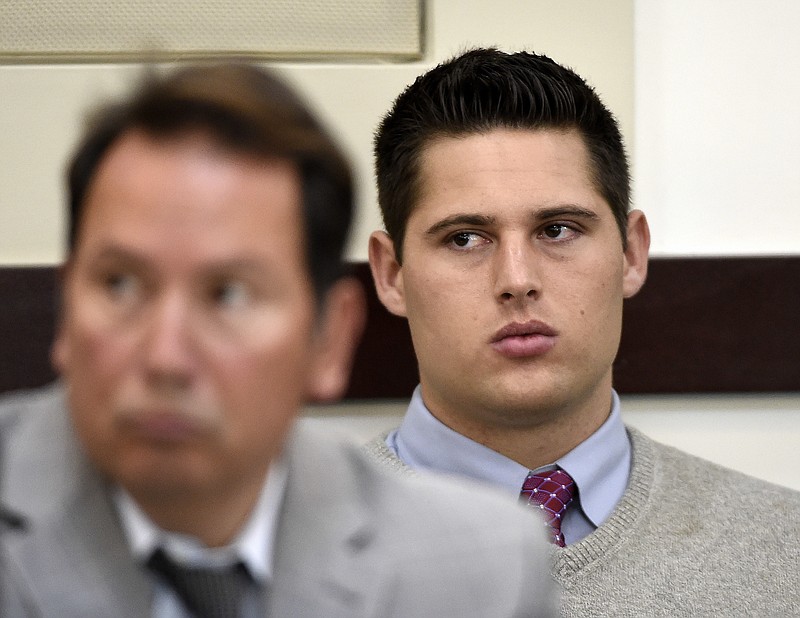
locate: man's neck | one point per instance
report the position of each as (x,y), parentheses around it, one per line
(547,436)
(214,519)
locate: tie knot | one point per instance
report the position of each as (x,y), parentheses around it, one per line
(206,591)
(552,492)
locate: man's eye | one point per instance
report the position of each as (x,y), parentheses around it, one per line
(121,285)
(230,293)
(466,240)
(558,231)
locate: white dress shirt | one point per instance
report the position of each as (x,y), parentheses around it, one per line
(600,465)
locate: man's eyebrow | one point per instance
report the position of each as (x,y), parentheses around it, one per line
(118,253)
(235,265)
(221,266)
(564,210)
(539,214)
(459,219)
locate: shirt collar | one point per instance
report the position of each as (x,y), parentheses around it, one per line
(254,545)
(600,465)
(422,441)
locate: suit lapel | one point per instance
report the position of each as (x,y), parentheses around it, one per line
(78,563)
(72,557)
(42,464)
(325,535)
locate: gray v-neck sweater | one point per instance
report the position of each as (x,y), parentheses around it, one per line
(688,538)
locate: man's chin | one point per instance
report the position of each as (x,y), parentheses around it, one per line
(163,478)
(527,407)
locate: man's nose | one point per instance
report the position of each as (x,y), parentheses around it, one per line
(516,274)
(168,349)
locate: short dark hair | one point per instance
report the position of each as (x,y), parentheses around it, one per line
(485,89)
(247,110)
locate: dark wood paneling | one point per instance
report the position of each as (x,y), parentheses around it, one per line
(700,325)
(27,317)
(385,366)
(713,325)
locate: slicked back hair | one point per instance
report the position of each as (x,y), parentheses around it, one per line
(245,110)
(486,89)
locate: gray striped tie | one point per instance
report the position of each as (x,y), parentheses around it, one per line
(206,592)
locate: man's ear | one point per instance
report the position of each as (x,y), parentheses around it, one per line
(387,273)
(636,254)
(338,333)
(59,352)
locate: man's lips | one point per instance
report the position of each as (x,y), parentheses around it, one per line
(165,425)
(524,339)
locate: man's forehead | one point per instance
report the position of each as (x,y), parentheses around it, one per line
(461,174)
(140,152)
(514,149)
(201,141)
(149,191)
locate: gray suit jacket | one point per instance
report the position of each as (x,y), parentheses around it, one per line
(352,539)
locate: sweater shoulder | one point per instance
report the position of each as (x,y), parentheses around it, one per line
(678,468)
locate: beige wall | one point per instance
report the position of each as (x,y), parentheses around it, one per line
(717,128)
(42,107)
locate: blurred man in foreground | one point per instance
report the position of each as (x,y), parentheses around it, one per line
(204,304)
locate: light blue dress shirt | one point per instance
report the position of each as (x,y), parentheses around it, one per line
(254,545)
(600,465)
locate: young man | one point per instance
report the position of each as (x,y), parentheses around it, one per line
(509,247)
(203,306)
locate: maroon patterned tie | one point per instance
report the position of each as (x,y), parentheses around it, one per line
(551,491)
